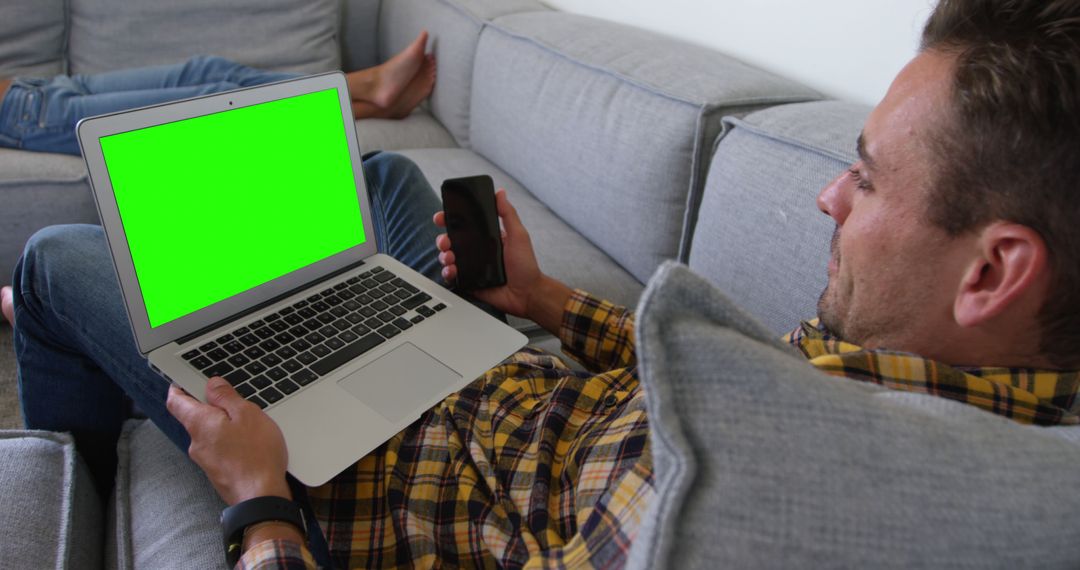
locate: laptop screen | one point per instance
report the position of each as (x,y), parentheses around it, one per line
(216,205)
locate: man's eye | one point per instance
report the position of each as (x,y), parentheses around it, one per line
(860,182)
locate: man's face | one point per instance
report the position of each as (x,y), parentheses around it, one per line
(893,276)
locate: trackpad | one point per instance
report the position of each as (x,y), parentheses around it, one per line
(399,381)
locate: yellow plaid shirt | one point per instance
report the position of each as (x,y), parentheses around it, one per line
(536,465)
(533,465)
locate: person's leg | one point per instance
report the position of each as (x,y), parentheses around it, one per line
(403,204)
(41,115)
(383,83)
(77,361)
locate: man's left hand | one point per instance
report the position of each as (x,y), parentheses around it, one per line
(239,447)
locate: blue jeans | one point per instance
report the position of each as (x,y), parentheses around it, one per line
(40,114)
(79,368)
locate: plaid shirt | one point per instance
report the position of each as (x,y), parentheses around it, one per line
(536,465)
(1030,396)
(532,465)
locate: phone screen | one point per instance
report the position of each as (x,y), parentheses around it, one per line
(473,227)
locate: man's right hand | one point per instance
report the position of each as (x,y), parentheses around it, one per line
(528,293)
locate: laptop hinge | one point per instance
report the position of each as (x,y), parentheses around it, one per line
(188,338)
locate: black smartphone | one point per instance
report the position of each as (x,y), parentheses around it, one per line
(473,227)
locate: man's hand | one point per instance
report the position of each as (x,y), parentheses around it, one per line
(528,293)
(239,447)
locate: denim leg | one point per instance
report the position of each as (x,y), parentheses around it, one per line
(78,363)
(48,110)
(403,205)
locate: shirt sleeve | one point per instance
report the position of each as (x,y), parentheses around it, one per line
(276,554)
(598,334)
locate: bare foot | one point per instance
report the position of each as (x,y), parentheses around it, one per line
(382,84)
(414,93)
(420,88)
(6,305)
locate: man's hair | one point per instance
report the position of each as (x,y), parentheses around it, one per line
(1009,146)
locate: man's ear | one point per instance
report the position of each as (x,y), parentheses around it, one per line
(1011,265)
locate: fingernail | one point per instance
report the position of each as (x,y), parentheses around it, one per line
(217,382)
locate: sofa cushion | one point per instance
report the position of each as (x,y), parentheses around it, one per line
(359,34)
(37,190)
(763,462)
(52,514)
(594,116)
(418,130)
(561,251)
(33,38)
(454,26)
(164,512)
(759,234)
(278,35)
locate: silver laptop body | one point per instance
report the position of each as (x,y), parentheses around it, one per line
(159,200)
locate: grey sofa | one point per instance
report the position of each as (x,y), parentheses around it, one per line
(621,149)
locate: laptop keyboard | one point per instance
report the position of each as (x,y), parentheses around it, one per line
(272,358)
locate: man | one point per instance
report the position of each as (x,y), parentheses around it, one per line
(953,254)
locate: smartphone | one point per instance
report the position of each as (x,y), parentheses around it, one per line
(472,224)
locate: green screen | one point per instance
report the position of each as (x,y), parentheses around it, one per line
(219,204)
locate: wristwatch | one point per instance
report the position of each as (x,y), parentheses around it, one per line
(235,519)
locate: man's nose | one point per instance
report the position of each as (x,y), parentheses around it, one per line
(835,198)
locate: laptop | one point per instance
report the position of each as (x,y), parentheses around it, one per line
(242,236)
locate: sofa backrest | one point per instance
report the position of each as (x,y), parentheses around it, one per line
(454,26)
(593,116)
(759,235)
(32,38)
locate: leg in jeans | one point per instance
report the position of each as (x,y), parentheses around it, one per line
(41,115)
(78,363)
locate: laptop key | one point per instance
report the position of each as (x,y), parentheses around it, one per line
(294,319)
(272,317)
(287,386)
(335,343)
(238,360)
(360,330)
(291,365)
(369,283)
(286,352)
(271,359)
(248,340)
(397,310)
(299,331)
(257,401)
(416,300)
(254,352)
(377,293)
(234,346)
(386,316)
(255,368)
(307,312)
(373,323)
(241,331)
(425,310)
(368,311)
(346,294)
(224,338)
(402,324)
(279,325)
(417,319)
(339,312)
(383,277)
(208,346)
(326,318)
(388,287)
(341,286)
(364,299)
(270,345)
(274,374)
(300,305)
(305,357)
(326,292)
(237,376)
(304,377)
(328,331)
(352,280)
(313,299)
(439,307)
(347,353)
(379,305)
(402,295)
(190,355)
(333,300)
(271,395)
(218,354)
(245,390)
(314,338)
(257,324)
(320,307)
(354,318)
(301,345)
(219,369)
(284,338)
(319,350)
(201,362)
(287,311)
(348,336)
(312,324)
(389,331)
(264,332)
(341,324)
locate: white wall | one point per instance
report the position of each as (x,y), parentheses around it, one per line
(847,49)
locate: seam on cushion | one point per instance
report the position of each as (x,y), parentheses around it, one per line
(763,100)
(791,141)
(23,182)
(698,175)
(65,59)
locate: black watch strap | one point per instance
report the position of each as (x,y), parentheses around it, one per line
(238,517)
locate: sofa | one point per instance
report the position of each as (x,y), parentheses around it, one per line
(648,170)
